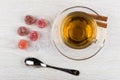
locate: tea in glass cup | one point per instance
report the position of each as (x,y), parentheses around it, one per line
(76,33)
(78,30)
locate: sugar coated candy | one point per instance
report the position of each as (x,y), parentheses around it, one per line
(29,19)
(22,31)
(34,35)
(23,44)
(41,23)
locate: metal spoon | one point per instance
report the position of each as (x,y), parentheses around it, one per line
(36,62)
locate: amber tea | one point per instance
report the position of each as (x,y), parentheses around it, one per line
(78,30)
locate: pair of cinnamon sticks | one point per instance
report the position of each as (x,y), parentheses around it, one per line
(100,20)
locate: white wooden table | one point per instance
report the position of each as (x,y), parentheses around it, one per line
(104,66)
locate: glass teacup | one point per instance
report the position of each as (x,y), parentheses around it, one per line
(76,35)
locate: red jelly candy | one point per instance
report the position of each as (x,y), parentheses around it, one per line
(33,35)
(29,20)
(22,31)
(23,44)
(41,23)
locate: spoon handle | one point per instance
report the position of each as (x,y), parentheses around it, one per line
(71,71)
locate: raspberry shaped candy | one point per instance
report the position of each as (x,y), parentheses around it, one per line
(22,31)
(41,23)
(23,44)
(29,19)
(34,35)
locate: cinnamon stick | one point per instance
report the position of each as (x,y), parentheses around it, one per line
(99,17)
(101,24)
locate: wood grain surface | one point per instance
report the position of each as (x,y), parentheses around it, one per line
(103,66)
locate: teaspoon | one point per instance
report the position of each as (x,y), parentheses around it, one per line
(36,62)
